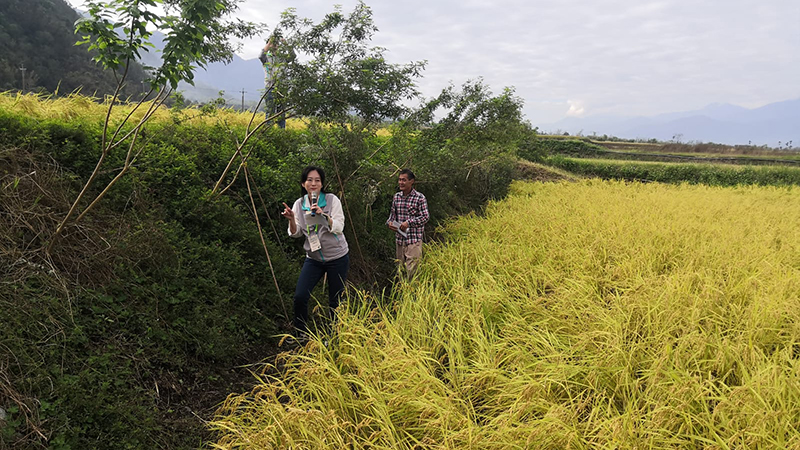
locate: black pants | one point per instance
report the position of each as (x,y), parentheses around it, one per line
(310,275)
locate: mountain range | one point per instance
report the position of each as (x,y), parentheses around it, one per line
(775,124)
(237,75)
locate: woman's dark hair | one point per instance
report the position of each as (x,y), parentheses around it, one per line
(304,177)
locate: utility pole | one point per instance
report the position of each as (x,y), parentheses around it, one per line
(23,69)
(243,91)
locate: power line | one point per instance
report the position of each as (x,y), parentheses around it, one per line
(243,91)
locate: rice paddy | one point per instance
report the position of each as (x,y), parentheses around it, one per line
(572,315)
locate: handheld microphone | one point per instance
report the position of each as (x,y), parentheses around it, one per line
(313,202)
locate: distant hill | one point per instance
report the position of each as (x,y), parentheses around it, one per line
(239,74)
(774,124)
(39,35)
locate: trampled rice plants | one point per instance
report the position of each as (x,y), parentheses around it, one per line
(580,315)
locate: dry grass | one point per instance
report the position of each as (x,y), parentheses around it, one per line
(585,315)
(93,110)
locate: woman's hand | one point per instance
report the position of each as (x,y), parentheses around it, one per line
(289,214)
(317,210)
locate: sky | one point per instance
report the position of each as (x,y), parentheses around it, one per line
(579,58)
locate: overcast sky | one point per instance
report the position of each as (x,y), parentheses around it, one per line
(586,57)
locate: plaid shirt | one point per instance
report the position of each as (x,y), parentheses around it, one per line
(411,208)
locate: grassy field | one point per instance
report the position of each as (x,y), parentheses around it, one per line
(146,314)
(573,315)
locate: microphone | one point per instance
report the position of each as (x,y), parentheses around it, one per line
(313,202)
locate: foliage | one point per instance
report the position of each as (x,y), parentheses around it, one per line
(142,311)
(474,145)
(715,175)
(338,75)
(197,34)
(126,332)
(785,151)
(582,148)
(635,316)
(546,146)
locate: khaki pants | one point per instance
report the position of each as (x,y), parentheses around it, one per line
(408,256)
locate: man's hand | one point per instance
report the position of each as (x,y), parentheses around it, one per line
(391,226)
(404,226)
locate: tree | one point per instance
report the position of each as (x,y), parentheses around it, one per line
(197,33)
(344,76)
(329,72)
(474,144)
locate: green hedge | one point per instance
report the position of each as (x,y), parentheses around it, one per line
(711,174)
(581,148)
(162,291)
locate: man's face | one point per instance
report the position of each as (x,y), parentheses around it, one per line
(404,183)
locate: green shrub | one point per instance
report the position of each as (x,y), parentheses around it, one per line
(715,175)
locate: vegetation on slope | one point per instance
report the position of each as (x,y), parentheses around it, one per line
(147,313)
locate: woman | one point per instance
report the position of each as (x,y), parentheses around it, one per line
(318,217)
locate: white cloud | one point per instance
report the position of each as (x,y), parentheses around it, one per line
(576,108)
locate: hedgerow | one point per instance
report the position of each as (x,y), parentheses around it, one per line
(710,174)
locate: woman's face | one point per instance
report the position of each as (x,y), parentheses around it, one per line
(313,182)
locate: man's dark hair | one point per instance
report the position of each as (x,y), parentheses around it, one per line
(304,177)
(409,173)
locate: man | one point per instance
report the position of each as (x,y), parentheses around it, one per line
(407,218)
(269,60)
